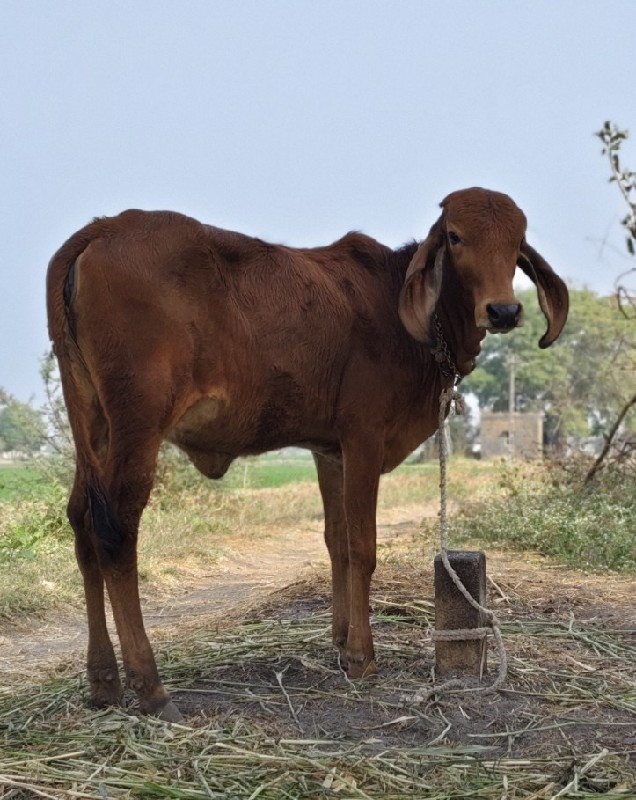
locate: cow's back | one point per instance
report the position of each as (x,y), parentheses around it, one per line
(240,345)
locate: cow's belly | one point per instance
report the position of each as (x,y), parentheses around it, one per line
(212,434)
(196,433)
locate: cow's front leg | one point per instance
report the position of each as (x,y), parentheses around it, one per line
(362,467)
(330,481)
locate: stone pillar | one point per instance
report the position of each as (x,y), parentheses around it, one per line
(453,611)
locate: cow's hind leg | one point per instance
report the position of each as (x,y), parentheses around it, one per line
(103,673)
(128,478)
(330,480)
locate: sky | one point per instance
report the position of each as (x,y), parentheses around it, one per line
(297,121)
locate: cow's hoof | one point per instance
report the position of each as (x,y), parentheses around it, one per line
(106,689)
(361,669)
(169,713)
(340,646)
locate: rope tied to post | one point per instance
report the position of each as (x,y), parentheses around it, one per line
(451,395)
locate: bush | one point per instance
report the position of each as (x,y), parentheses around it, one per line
(35,523)
(553,513)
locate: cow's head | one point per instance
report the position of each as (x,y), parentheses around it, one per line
(475,246)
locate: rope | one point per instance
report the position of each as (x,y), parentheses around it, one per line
(464,634)
(448,396)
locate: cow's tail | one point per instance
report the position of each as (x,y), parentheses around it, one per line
(81,397)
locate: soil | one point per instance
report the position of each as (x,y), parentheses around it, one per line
(556,701)
(565,694)
(243,575)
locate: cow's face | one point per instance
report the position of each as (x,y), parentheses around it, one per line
(480,238)
(483,233)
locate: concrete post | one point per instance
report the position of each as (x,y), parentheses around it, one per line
(453,611)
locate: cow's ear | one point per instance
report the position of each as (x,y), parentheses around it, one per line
(422,284)
(552,291)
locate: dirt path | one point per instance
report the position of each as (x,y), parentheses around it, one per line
(247,572)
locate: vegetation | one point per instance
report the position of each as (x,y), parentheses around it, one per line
(625,454)
(190,521)
(186,526)
(581,382)
(613,137)
(19,481)
(22,428)
(552,512)
(269,714)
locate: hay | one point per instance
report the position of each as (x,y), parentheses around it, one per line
(271,716)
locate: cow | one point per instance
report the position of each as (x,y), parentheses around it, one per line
(169,329)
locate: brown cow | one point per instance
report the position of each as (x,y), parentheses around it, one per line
(166,328)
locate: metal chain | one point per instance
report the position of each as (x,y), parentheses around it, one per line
(441,352)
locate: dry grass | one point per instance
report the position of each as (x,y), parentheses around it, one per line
(270,715)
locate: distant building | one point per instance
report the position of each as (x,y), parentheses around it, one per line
(511,435)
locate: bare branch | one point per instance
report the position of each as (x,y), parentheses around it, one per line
(609,440)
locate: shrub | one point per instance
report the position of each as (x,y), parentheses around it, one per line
(34,523)
(553,513)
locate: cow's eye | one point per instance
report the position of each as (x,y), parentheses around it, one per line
(453,238)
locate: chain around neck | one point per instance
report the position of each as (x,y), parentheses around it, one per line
(442,354)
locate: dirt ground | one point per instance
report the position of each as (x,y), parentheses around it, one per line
(570,639)
(246,574)
(571,648)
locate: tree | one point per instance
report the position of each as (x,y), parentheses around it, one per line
(581,382)
(21,426)
(54,408)
(613,137)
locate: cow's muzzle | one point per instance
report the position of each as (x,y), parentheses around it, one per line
(503,318)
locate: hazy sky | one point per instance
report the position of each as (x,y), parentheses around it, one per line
(296,121)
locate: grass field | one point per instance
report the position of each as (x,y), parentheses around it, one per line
(25,481)
(19,481)
(185,525)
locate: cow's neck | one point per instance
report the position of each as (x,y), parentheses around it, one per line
(455,313)
(456,321)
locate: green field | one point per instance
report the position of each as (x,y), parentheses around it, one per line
(29,481)
(187,521)
(274,471)
(269,472)
(19,481)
